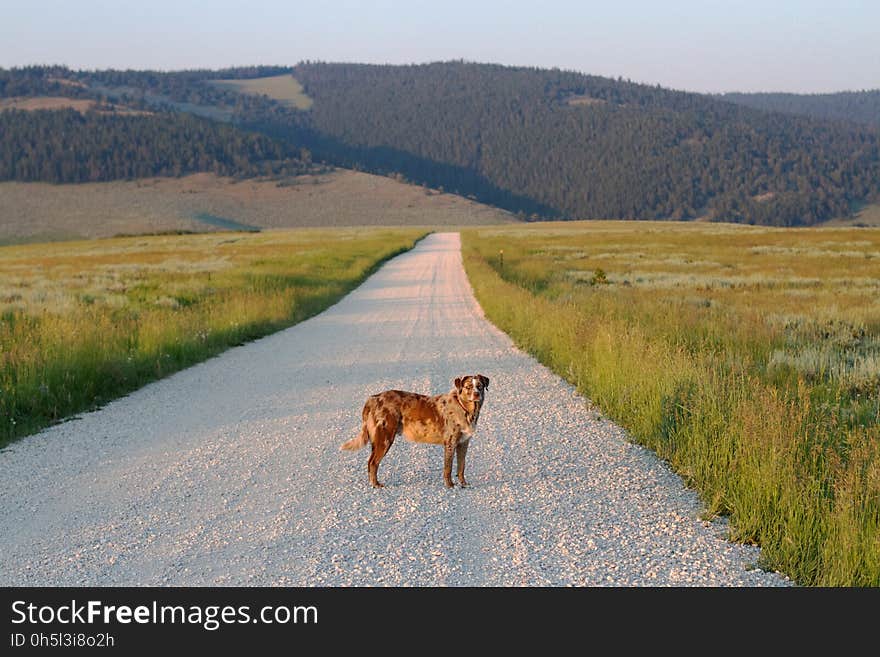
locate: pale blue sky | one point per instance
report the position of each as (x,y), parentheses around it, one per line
(709,45)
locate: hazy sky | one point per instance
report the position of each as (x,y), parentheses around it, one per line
(707,45)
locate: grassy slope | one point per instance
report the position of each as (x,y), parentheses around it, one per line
(46,103)
(81,105)
(866,216)
(84,322)
(749,358)
(284,88)
(44,212)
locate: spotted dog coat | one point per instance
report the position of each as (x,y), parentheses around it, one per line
(449,420)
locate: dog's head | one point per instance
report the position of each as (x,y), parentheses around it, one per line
(472,388)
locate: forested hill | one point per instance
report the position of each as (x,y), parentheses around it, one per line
(856,106)
(66,146)
(544,143)
(589,147)
(93,140)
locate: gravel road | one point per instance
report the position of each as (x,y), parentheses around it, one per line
(229,473)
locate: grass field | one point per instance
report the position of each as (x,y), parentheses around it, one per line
(43,212)
(46,103)
(284,88)
(84,322)
(749,358)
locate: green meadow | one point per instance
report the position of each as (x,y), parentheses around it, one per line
(748,358)
(82,323)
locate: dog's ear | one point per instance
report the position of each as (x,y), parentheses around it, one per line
(484,379)
(457,384)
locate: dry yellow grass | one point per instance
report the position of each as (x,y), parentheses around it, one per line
(284,88)
(581,100)
(82,105)
(760,272)
(46,103)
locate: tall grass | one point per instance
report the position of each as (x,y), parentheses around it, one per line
(84,322)
(752,370)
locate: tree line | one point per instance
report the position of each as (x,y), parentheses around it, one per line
(66,146)
(855,106)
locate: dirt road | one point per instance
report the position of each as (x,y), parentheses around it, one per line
(229,473)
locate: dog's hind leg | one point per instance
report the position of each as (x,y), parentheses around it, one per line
(383,438)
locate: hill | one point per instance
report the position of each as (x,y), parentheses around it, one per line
(206,202)
(62,127)
(855,106)
(582,146)
(541,143)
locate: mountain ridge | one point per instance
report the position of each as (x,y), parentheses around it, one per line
(544,143)
(861,106)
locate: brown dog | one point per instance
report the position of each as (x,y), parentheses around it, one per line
(449,420)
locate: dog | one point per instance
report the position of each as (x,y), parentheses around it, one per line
(449,419)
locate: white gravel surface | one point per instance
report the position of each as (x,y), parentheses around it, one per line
(229,473)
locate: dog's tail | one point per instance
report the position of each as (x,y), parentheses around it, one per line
(358,441)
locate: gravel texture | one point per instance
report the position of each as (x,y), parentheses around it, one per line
(229,473)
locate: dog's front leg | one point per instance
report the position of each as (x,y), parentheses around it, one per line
(448,454)
(461,452)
